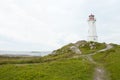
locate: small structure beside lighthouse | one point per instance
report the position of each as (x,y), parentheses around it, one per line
(92,34)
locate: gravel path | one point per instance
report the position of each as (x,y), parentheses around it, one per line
(99,71)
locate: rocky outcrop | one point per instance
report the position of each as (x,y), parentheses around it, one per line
(80,43)
(75,50)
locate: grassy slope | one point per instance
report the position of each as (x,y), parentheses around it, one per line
(19,60)
(70,69)
(86,48)
(62,53)
(111,60)
(60,66)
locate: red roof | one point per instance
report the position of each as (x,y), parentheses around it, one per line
(91,15)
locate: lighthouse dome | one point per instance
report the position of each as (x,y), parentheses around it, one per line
(91,15)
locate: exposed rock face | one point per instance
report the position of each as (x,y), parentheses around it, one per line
(75,49)
(83,43)
(80,47)
(92,45)
(80,43)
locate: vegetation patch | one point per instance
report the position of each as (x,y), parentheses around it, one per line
(62,64)
(91,47)
(71,69)
(110,59)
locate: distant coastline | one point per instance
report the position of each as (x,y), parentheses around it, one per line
(23,53)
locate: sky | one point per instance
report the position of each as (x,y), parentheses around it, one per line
(46,25)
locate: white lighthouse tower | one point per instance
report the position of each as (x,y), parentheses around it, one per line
(92,34)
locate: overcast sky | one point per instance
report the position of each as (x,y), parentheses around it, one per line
(44,25)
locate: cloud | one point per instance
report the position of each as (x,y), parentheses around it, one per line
(50,24)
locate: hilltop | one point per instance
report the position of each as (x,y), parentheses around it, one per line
(75,61)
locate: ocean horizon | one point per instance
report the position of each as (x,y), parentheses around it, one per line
(24,53)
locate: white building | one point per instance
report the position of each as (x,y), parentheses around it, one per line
(92,34)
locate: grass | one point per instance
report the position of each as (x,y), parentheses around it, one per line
(70,69)
(19,60)
(87,50)
(60,65)
(110,59)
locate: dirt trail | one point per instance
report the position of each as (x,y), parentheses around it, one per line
(100,74)
(99,71)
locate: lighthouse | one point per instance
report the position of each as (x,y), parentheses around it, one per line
(92,34)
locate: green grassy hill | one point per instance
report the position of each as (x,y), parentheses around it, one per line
(70,69)
(111,61)
(65,63)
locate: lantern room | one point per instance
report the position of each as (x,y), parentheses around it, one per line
(91,18)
